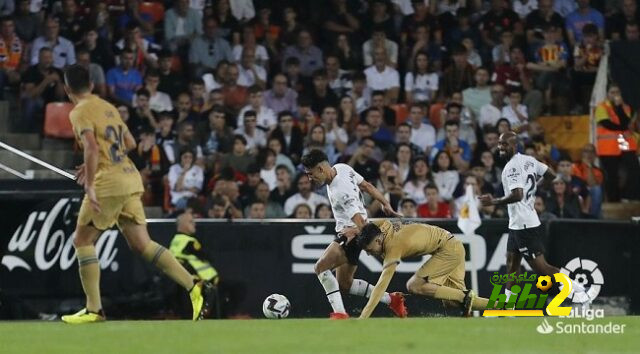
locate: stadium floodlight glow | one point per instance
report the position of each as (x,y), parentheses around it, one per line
(37,161)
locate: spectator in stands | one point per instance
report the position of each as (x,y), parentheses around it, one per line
(323,211)
(255,138)
(348,117)
(181,25)
(158,101)
(220,138)
(228,25)
(632,32)
(235,96)
(281,159)
(260,54)
(134,124)
(458,76)
(382,77)
(317,139)
(70,20)
(363,129)
(499,18)
(445,176)
(379,40)
(404,156)
(515,75)
(541,210)
(458,149)
(491,112)
(304,196)
(349,59)
(280,97)
(208,49)
(185,140)
(165,133)
(256,210)
(272,210)
(563,203)
(228,191)
(266,118)
(142,111)
(335,135)
(289,135)
(218,208)
(199,96)
(408,208)
(239,158)
(321,94)
(422,133)
(453,113)
(308,55)
(27,23)
(493,172)
(297,82)
(538,19)
(420,42)
(503,126)
(403,136)
(586,170)
(266,160)
(421,84)
(381,134)
(617,22)
(184,109)
(616,147)
(501,52)
(564,7)
(586,55)
(250,72)
(378,103)
(216,79)
(516,113)
(418,178)
(42,84)
(124,80)
(63,51)
(341,20)
(577,185)
(362,161)
(456,204)
(478,170)
(479,95)
(13,60)
(337,78)
(585,14)
(185,179)
(171,81)
(380,16)
(433,207)
(473,58)
(547,153)
(95,72)
(302,211)
(98,48)
(131,15)
(151,160)
(550,60)
(284,188)
(144,50)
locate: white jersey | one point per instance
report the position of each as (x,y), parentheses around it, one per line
(522,171)
(345,197)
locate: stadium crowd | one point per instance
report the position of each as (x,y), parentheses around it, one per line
(225,96)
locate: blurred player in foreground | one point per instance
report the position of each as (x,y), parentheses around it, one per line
(441,277)
(343,188)
(113,188)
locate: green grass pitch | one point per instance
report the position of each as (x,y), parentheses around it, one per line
(379,335)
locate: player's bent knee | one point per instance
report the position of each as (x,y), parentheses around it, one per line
(413,285)
(345,284)
(320,266)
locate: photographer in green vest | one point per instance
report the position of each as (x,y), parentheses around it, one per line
(188,250)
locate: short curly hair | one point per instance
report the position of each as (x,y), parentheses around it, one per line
(314,158)
(369,232)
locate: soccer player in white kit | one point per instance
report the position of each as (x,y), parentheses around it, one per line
(343,188)
(520,177)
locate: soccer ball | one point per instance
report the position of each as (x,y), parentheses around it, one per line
(276,306)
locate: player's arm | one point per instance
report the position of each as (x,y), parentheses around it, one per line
(379,289)
(515,184)
(129,141)
(513,197)
(375,193)
(91,152)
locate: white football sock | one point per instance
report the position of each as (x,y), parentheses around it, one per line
(360,287)
(509,293)
(331,288)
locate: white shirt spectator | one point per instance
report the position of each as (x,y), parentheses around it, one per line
(197,5)
(337,134)
(405,6)
(415,191)
(193,178)
(63,51)
(523,8)
(424,137)
(446,181)
(266,117)
(169,150)
(210,82)
(247,77)
(313,201)
(257,140)
(390,46)
(388,78)
(262,56)
(158,102)
(510,114)
(489,115)
(242,10)
(422,86)
(269,177)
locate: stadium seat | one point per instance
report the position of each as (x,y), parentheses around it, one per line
(401,112)
(434,115)
(154,9)
(56,120)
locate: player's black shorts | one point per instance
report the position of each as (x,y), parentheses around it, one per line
(351,249)
(527,242)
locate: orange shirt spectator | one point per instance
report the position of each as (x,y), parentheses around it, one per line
(441,211)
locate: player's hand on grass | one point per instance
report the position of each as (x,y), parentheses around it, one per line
(80,174)
(486,199)
(93,200)
(388,210)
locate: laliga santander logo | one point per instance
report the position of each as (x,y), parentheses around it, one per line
(53,246)
(586,273)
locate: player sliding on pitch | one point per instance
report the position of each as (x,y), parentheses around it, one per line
(343,188)
(441,277)
(520,178)
(113,188)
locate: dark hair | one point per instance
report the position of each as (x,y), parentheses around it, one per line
(281,166)
(319,73)
(152,73)
(454,105)
(318,207)
(451,122)
(291,61)
(431,186)
(249,113)
(165,53)
(240,138)
(143,92)
(436,168)
(254,89)
(377,93)
(186,150)
(589,29)
(77,78)
(358,76)
(503,120)
(403,124)
(304,101)
(79,50)
(263,155)
(313,158)
(564,157)
(409,200)
(217,109)
(284,114)
(369,232)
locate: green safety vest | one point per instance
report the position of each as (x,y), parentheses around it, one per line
(204,270)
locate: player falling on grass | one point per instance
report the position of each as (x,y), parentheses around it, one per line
(520,178)
(441,277)
(113,188)
(343,188)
